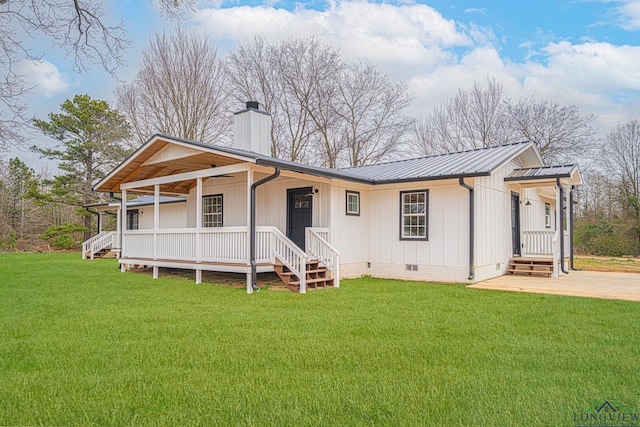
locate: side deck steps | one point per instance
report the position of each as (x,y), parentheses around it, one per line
(531,266)
(102,253)
(317,276)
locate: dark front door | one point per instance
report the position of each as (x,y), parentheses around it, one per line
(299,208)
(515,223)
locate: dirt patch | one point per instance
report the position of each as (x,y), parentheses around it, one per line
(608,264)
(269,281)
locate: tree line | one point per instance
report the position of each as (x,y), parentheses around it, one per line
(326,111)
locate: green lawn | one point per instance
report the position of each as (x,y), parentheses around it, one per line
(82,343)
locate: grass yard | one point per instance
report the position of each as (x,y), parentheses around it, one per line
(83,344)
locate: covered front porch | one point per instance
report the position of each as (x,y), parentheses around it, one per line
(542,201)
(240,218)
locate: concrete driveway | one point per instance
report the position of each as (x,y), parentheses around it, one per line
(591,284)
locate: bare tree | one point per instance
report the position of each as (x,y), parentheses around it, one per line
(371,112)
(178,90)
(561,133)
(473,118)
(621,156)
(251,76)
(77,27)
(324,111)
(288,78)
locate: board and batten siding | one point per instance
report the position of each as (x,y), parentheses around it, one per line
(271,200)
(172,215)
(533,215)
(350,234)
(234,199)
(444,257)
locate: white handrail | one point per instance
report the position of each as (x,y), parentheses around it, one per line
(86,244)
(537,242)
(291,256)
(103,242)
(317,247)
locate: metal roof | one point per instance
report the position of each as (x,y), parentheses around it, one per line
(477,162)
(543,172)
(140,201)
(469,163)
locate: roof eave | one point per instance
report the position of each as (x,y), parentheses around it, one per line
(432,178)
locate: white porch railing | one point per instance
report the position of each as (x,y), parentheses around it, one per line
(223,245)
(105,239)
(229,245)
(86,245)
(318,247)
(537,243)
(291,256)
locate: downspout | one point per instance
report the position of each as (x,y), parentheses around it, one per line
(252,226)
(471,225)
(571,222)
(96,214)
(561,226)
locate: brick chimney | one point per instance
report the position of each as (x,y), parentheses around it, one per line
(253,129)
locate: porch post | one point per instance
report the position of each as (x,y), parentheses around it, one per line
(123,225)
(119,232)
(99,222)
(198,220)
(156,219)
(249,274)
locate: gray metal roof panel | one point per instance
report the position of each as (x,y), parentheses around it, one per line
(543,172)
(477,162)
(141,201)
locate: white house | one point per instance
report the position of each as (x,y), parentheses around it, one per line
(459,217)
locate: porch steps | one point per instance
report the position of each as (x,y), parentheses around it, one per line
(531,266)
(102,253)
(317,276)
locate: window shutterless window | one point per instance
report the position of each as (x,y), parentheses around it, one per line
(212,211)
(547,215)
(133,216)
(414,210)
(353,203)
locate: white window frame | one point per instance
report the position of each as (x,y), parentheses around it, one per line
(413,209)
(212,217)
(547,215)
(356,194)
(133,219)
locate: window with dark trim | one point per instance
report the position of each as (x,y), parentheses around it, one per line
(353,202)
(414,210)
(133,216)
(547,215)
(212,210)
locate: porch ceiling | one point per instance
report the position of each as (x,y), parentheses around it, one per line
(137,170)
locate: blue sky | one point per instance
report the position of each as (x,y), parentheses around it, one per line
(583,52)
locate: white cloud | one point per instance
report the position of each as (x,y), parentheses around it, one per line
(475,10)
(44,75)
(436,56)
(405,35)
(629,11)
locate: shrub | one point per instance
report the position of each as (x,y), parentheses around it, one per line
(67,236)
